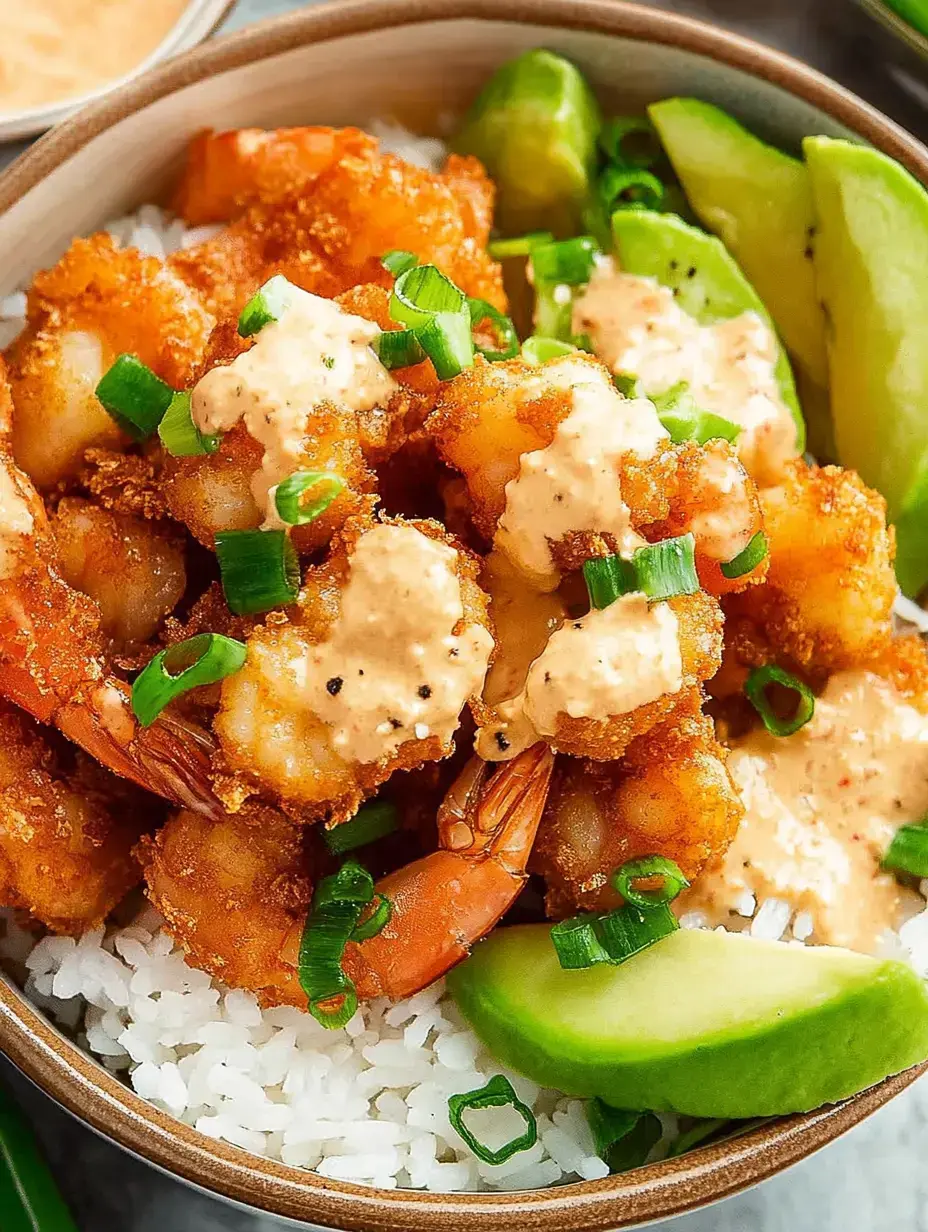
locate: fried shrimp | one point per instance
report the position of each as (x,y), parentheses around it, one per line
(367,673)
(67,829)
(827,601)
(97,302)
(669,795)
(235,893)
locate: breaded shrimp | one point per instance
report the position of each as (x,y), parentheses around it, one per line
(67,829)
(670,795)
(98,301)
(827,601)
(367,673)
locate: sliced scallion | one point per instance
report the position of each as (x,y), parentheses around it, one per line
(448,342)
(180,435)
(748,559)
(623,880)
(577,944)
(622,188)
(338,903)
(628,930)
(628,385)
(667,568)
(608,577)
(204,659)
(266,305)
(289,496)
(685,424)
(427,302)
(554,311)
(482,311)
(565,262)
(755,687)
(398,348)
(908,852)
(397,261)
(519,246)
(376,922)
(372,821)
(498,1093)
(537,350)
(134,396)
(623,1139)
(258,568)
(630,141)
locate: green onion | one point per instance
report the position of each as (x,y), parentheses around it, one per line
(398,348)
(616,139)
(429,303)
(338,903)
(908,852)
(134,396)
(498,1093)
(376,922)
(554,311)
(697,1134)
(622,188)
(30,1201)
(566,262)
(699,426)
(481,310)
(372,821)
(755,688)
(258,569)
(648,866)
(608,577)
(204,659)
(667,568)
(520,246)
(748,559)
(577,944)
(397,261)
(628,930)
(628,385)
(623,1139)
(180,435)
(288,496)
(583,342)
(267,305)
(537,350)
(448,342)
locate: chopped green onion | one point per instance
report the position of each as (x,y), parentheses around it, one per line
(748,559)
(623,188)
(134,396)
(583,342)
(697,1134)
(338,903)
(648,866)
(519,246)
(623,1139)
(667,568)
(422,292)
(617,141)
(30,1201)
(628,930)
(481,310)
(204,659)
(372,821)
(608,577)
(448,342)
(267,305)
(376,922)
(288,496)
(908,852)
(755,688)
(498,1093)
(577,944)
(258,569)
(398,348)
(554,311)
(566,262)
(628,385)
(397,261)
(699,426)
(180,435)
(537,350)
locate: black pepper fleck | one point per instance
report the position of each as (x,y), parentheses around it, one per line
(453,652)
(547,677)
(501,742)
(395,724)
(673,265)
(578,626)
(425,690)
(691,272)
(334,686)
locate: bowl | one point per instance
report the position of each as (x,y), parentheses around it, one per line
(416,61)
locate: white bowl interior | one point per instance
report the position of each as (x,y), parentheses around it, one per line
(420,74)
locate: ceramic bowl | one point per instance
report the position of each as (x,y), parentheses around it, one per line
(417,61)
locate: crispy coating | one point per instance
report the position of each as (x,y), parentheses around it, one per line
(904,662)
(230,892)
(331,235)
(97,302)
(670,795)
(285,753)
(67,829)
(827,601)
(124,482)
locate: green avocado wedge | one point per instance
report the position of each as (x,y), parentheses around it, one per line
(534,127)
(704,276)
(758,201)
(871,266)
(707,1024)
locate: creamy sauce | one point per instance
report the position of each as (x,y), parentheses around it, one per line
(724,519)
(16,522)
(822,807)
(51,50)
(607,663)
(573,483)
(638,327)
(393,667)
(314,353)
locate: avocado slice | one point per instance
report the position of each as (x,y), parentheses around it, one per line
(871,266)
(758,201)
(704,276)
(709,1024)
(534,127)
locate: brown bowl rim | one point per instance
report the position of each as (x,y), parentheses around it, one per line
(98,1098)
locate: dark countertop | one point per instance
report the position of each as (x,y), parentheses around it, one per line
(873,1180)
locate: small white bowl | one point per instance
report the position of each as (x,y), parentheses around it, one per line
(196,23)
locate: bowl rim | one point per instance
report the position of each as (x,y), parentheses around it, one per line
(95,1096)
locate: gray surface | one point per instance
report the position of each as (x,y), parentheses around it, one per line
(871,1181)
